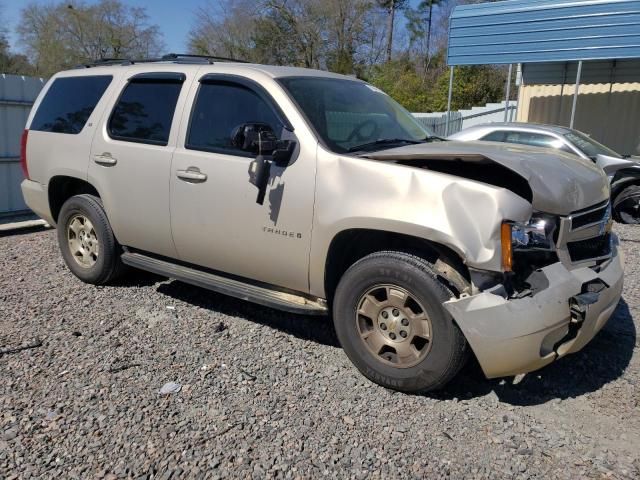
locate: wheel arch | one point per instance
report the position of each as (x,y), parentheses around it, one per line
(63,187)
(349,246)
(622,180)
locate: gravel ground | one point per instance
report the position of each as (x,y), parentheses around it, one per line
(268,394)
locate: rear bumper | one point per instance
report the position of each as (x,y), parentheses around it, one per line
(37,199)
(512,336)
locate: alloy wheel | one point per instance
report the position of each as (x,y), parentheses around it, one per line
(394,325)
(83,241)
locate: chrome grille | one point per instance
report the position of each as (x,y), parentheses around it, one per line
(588,217)
(590,248)
(585,235)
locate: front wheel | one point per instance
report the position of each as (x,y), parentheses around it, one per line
(626,206)
(86,240)
(390,321)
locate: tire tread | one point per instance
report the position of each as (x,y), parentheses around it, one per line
(458,353)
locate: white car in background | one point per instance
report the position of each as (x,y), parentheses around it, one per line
(623,171)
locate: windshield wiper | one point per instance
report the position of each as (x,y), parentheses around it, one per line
(383,141)
(431,138)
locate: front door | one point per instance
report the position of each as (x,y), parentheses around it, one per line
(215,219)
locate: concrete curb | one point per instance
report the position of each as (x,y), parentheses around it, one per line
(16,226)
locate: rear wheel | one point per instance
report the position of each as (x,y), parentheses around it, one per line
(626,206)
(390,321)
(86,240)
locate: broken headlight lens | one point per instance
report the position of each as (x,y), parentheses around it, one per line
(537,234)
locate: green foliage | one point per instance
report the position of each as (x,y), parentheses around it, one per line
(349,37)
(400,80)
(13,64)
(472,85)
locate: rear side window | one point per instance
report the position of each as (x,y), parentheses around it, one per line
(219,109)
(145,111)
(497,136)
(527,138)
(68,104)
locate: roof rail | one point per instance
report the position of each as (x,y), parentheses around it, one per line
(210,58)
(170,57)
(103,61)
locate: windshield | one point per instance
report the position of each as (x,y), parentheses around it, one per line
(348,114)
(589,146)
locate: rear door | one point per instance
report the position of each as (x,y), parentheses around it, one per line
(131,158)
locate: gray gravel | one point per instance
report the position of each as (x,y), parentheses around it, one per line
(267,394)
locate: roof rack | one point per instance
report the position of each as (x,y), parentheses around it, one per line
(170,57)
(210,58)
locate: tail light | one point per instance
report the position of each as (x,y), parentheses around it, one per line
(23,154)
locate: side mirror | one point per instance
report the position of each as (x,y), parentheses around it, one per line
(257,138)
(283,152)
(259,172)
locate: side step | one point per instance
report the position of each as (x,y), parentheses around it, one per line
(227,286)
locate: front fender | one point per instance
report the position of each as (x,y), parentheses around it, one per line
(461,214)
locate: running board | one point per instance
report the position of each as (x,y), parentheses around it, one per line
(227,286)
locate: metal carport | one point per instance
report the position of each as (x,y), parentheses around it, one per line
(543,31)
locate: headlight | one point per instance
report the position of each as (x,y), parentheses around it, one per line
(535,235)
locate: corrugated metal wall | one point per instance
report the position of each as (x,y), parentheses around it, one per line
(597,71)
(525,31)
(607,112)
(17,94)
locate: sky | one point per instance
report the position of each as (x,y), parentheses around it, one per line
(174,17)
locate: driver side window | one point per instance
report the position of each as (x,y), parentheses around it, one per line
(219,108)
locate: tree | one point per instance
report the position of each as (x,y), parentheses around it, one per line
(226,29)
(271,31)
(391,6)
(473,85)
(13,64)
(419,26)
(339,35)
(399,80)
(62,35)
(351,37)
(350,25)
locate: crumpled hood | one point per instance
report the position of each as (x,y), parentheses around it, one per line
(560,182)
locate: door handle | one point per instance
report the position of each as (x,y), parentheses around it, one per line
(105,159)
(192,174)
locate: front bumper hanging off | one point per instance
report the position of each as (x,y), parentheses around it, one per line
(513,336)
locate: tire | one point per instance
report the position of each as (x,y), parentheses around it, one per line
(98,263)
(357,300)
(626,205)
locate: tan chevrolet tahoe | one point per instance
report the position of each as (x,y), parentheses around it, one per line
(316,193)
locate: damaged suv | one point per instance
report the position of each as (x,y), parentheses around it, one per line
(316,193)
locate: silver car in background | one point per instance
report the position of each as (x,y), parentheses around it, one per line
(623,171)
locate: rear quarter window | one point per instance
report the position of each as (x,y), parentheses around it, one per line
(68,104)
